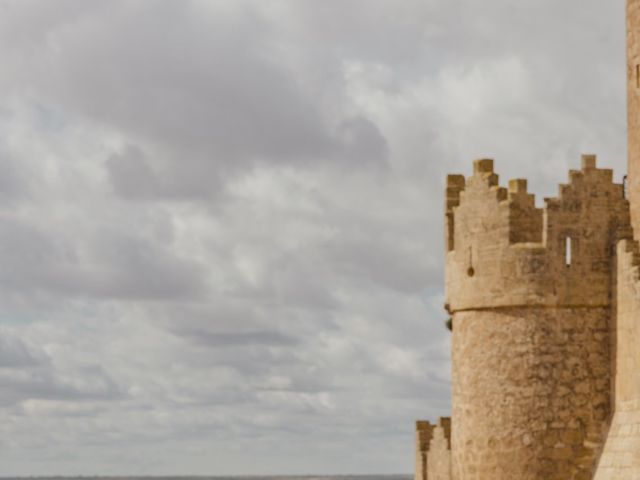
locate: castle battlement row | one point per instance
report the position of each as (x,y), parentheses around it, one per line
(523,255)
(433,453)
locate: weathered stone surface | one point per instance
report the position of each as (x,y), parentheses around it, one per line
(530,393)
(505,252)
(424,434)
(621,456)
(633,110)
(439,455)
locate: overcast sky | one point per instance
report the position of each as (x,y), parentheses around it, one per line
(221,220)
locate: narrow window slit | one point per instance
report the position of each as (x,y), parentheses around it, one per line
(637,76)
(567,252)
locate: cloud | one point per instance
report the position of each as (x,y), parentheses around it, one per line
(234,340)
(14,353)
(221,222)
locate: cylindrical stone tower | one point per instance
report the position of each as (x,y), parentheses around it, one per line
(530,291)
(633,109)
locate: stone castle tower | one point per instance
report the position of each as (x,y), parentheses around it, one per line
(545,319)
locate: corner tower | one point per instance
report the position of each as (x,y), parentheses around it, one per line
(633,109)
(530,292)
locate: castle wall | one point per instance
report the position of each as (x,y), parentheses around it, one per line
(621,457)
(530,393)
(633,108)
(439,456)
(424,434)
(486,226)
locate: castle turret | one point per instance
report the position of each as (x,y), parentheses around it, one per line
(530,294)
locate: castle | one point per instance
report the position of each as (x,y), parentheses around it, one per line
(545,319)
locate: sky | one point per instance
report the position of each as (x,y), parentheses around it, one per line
(221,221)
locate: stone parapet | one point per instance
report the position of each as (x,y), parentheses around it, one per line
(439,455)
(503,252)
(424,434)
(433,450)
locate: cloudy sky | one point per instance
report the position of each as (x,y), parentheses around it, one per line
(221,220)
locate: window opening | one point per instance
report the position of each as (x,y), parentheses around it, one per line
(567,252)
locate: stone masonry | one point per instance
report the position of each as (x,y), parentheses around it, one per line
(531,324)
(439,455)
(545,319)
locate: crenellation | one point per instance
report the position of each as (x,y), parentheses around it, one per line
(525,220)
(439,455)
(445,424)
(588,161)
(455,185)
(496,235)
(518,192)
(453,191)
(483,166)
(424,434)
(501,193)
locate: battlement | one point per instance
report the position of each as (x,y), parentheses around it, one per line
(433,449)
(504,251)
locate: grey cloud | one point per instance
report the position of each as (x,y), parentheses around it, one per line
(28,374)
(382,260)
(122,266)
(15,353)
(221,222)
(14,183)
(44,385)
(239,339)
(177,83)
(169,81)
(131,175)
(363,143)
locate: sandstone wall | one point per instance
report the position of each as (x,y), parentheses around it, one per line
(621,457)
(633,95)
(439,456)
(424,434)
(530,393)
(503,251)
